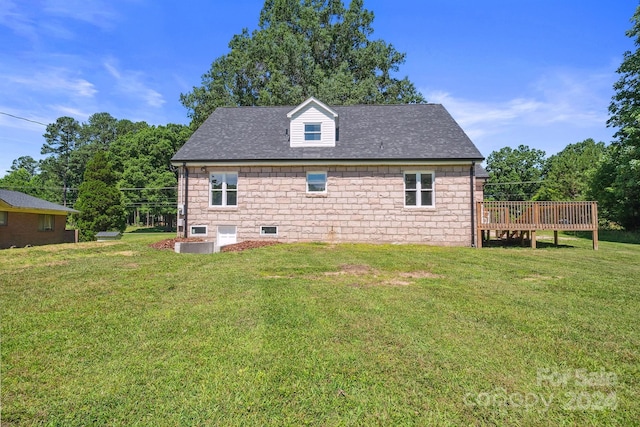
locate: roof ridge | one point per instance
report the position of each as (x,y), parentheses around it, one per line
(227,107)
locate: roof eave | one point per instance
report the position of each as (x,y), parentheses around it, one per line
(361,161)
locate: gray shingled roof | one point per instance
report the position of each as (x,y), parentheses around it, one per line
(17,199)
(366,132)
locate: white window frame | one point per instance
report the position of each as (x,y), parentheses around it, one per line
(418,190)
(308,132)
(262,227)
(4,218)
(206,230)
(326,179)
(224,191)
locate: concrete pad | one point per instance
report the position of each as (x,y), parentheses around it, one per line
(196,247)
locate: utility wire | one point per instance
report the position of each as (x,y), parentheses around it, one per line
(25,119)
(514,182)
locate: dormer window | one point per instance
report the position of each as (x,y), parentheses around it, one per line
(312,124)
(312,131)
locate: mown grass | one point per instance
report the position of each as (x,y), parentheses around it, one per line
(117,333)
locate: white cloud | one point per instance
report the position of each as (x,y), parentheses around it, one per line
(19,22)
(558,108)
(51,20)
(64,110)
(561,97)
(130,83)
(98,13)
(55,80)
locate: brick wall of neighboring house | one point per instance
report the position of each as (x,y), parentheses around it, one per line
(362,204)
(22,230)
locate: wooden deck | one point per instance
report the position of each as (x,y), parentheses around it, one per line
(517,219)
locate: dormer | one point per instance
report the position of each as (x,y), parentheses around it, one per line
(312,124)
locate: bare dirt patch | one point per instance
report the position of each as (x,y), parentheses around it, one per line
(54,263)
(421,275)
(368,276)
(171,243)
(397,282)
(250,244)
(124,253)
(539,277)
(352,269)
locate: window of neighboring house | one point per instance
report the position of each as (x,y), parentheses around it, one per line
(269,230)
(316,182)
(224,189)
(418,189)
(4,216)
(199,230)
(312,132)
(46,222)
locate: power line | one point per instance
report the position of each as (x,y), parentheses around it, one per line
(514,182)
(148,188)
(23,118)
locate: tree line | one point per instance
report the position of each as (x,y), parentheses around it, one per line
(131,157)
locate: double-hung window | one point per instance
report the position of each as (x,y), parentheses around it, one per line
(46,222)
(418,189)
(224,189)
(312,131)
(316,182)
(3,217)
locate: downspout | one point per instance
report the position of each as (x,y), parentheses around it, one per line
(186,197)
(472,175)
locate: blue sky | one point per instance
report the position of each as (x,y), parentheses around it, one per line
(529,72)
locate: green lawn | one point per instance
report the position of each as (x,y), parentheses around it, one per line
(117,333)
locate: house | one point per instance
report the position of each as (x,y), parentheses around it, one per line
(27,220)
(313,172)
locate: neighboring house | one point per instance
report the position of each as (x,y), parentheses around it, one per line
(27,220)
(362,173)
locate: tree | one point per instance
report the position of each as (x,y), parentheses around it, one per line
(514,174)
(616,184)
(144,160)
(61,138)
(99,200)
(21,176)
(100,131)
(97,134)
(17,180)
(301,49)
(567,175)
(24,162)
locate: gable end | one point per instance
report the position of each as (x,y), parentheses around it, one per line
(312,124)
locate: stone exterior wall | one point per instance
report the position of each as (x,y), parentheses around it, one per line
(362,204)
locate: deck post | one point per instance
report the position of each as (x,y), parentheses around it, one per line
(479,231)
(555,237)
(532,236)
(594,219)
